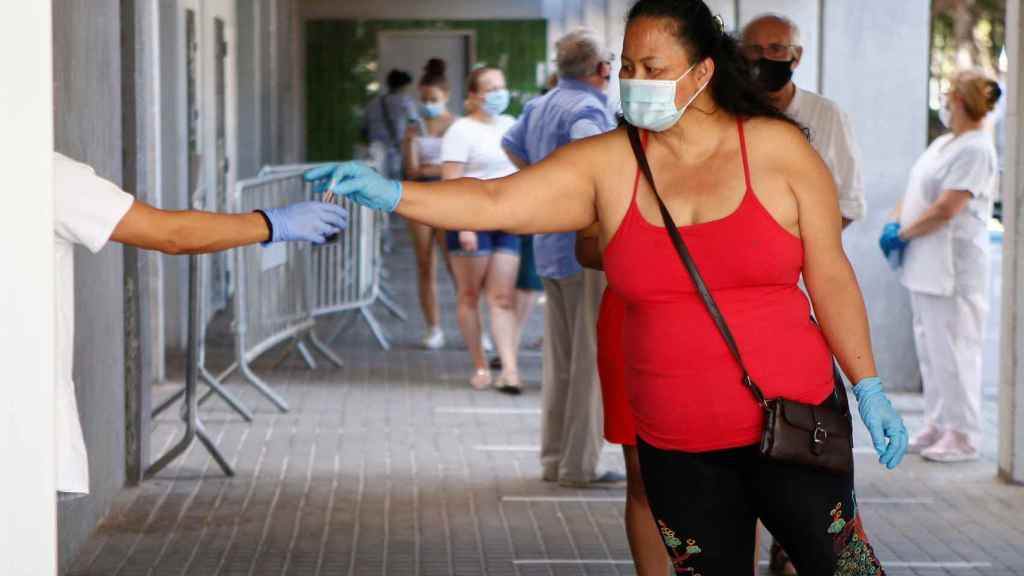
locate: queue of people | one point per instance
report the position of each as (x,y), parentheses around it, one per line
(726,144)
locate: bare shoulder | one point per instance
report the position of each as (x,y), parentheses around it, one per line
(777,142)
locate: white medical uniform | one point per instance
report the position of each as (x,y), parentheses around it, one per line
(947,273)
(87,208)
(832,137)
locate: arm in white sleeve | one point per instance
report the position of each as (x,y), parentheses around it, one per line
(844,160)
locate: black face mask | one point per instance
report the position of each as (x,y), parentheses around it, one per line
(772,75)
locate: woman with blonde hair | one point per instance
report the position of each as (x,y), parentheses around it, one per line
(941,236)
(484,261)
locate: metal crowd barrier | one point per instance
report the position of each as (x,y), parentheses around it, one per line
(282,289)
(346,273)
(274,285)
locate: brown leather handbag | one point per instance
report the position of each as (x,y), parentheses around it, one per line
(820,436)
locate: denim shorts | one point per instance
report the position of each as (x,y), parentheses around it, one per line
(487,243)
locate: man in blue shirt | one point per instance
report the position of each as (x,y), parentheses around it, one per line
(571,430)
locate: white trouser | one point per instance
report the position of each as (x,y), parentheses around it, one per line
(948,334)
(571,421)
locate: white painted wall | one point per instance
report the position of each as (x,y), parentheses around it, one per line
(1011,387)
(28,525)
(876,68)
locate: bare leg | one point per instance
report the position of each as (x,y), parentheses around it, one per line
(645,543)
(501,295)
(426,272)
(469,274)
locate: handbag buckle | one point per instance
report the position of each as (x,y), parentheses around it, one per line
(818,438)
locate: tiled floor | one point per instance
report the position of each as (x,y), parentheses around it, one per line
(393,465)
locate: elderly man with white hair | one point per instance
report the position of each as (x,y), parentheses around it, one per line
(771,43)
(571,434)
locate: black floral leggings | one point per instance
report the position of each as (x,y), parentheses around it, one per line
(707,504)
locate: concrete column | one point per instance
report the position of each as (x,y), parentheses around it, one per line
(88,127)
(876,68)
(28,527)
(1011,386)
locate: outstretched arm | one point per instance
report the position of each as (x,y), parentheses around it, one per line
(195,232)
(555,195)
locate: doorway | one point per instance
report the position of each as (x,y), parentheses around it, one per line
(409,51)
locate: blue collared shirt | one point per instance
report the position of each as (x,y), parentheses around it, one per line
(547,123)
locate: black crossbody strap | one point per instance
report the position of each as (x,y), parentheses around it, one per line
(691,266)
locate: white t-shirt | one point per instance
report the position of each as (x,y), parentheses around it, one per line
(954,257)
(87,208)
(478,146)
(832,137)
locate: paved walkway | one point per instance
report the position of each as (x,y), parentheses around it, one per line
(393,465)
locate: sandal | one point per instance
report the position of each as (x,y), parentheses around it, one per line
(780,564)
(509,384)
(481,379)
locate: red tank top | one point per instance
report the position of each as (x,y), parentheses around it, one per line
(684,386)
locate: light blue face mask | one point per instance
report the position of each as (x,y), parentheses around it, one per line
(651,104)
(496,102)
(432,109)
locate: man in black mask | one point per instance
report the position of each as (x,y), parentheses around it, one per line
(771,43)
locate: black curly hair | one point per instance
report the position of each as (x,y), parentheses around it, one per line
(733,88)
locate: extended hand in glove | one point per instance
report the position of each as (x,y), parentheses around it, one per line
(885,425)
(359,182)
(890,241)
(309,221)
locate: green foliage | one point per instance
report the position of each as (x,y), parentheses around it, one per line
(341,61)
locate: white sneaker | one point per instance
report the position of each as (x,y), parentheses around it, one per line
(434,340)
(952,447)
(924,440)
(487,343)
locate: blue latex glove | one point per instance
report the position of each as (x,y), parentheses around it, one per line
(359,182)
(309,221)
(885,425)
(890,240)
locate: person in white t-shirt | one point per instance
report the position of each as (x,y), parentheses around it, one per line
(941,235)
(771,43)
(484,261)
(91,211)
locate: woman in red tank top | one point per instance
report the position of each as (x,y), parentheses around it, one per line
(758,210)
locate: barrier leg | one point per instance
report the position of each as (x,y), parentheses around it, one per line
(391,305)
(307,357)
(324,350)
(375,327)
(220,378)
(170,402)
(262,387)
(216,387)
(204,437)
(193,426)
(343,325)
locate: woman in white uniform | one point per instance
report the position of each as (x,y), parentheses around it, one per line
(942,237)
(421,150)
(484,262)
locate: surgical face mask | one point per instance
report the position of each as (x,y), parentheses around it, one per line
(651,104)
(432,109)
(773,75)
(496,102)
